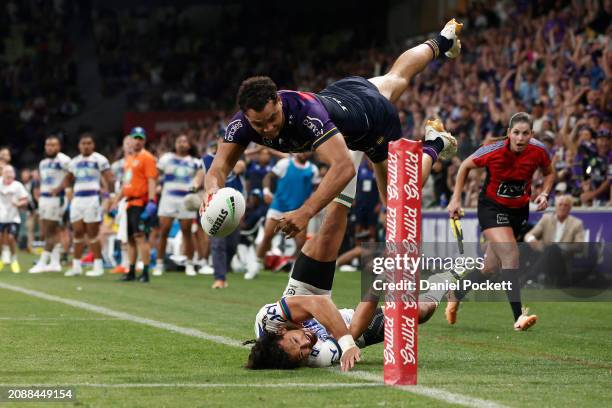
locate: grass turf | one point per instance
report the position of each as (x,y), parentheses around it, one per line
(565,359)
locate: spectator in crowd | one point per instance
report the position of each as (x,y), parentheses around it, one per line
(558,237)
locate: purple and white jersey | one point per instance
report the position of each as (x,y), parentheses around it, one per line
(274,316)
(307,125)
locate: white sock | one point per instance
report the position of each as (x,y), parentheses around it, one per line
(14,258)
(44,258)
(98,265)
(76,265)
(56,254)
(160,263)
(125,262)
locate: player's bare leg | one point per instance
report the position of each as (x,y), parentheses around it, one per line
(188,246)
(165,224)
(393,84)
(93,233)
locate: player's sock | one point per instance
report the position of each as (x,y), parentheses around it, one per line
(132,271)
(433,148)
(44,258)
(309,273)
(440,281)
(76,265)
(145,270)
(439,45)
(125,262)
(56,254)
(514,295)
(375,333)
(474,276)
(98,265)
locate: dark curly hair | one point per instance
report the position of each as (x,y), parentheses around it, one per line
(256,92)
(266,353)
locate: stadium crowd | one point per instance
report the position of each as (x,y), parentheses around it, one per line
(549,58)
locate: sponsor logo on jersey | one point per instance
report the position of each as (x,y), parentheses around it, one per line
(314,125)
(232,128)
(511,189)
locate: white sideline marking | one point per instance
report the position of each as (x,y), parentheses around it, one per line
(202,385)
(430,392)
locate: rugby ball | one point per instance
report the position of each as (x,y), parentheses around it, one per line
(223,213)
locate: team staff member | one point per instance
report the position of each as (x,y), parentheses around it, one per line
(140,181)
(503,206)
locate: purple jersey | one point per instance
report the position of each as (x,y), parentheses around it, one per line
(307,125)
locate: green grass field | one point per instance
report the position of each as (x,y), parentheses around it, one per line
(566,359)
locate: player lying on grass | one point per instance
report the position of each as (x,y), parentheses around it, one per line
(309,330)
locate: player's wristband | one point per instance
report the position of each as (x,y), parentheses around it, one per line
(346,343)
(266,190)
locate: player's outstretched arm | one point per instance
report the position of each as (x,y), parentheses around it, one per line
(341,170)
(225,159)
(454,206)
(323,309)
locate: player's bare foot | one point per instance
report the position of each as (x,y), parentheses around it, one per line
(525,321)
(434,129)
(451,311)
(219,284)
(451,31)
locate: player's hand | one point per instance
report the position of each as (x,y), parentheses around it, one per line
(292,223)
(349,358)
(454,209)
(208,195)
(541,202)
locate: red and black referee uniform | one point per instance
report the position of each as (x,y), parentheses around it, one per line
(504,198)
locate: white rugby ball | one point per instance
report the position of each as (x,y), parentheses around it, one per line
(223,212)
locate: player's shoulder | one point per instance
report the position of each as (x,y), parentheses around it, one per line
(62,157)
(237,125)
(537,145)
(166,156)
(489,148)
(271,317)
(99,157)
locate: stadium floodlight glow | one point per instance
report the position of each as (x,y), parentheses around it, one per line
(403,237)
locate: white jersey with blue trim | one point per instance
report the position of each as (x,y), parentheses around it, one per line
(87,171)
(52,172)
(178,173)
(275,316)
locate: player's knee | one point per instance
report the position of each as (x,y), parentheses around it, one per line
(426,310)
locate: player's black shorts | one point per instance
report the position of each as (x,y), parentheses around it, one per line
(12,228)
(367,120)
(135,224)
(492,215)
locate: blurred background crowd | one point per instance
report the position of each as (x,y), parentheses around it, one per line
(551,58)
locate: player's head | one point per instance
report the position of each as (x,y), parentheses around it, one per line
(263,158)
(8,174)
(286,350)
(127,146)
(182,145)
(139,137)
(259,101)
(53,145)
(303,157)
(519,131)
(87,145)
(5,155)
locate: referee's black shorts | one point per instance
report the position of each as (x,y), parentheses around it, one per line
(493,215)
(135,224)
